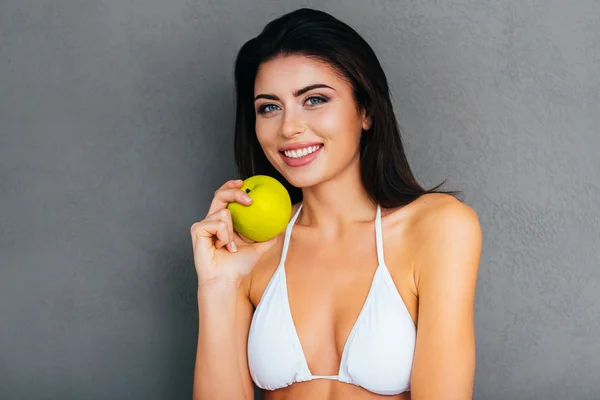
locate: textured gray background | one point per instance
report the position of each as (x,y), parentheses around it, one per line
(116,127)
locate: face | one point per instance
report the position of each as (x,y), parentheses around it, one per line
(307,121)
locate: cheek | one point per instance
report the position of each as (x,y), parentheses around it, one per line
(329,123)
(264,133)
(267,139)
(338,124)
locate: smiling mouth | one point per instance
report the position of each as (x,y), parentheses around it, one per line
(300,153)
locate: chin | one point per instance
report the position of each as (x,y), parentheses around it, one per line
(304,178)
(303,181)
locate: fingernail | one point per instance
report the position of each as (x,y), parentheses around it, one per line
(233,246)
(238,181)
(246,197)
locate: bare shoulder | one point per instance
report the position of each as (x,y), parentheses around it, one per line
(430,209)
(447,236)
(436,227)
(438,210)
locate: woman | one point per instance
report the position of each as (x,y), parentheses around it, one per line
(368,294)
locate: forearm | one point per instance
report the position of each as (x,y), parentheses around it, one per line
(217,373)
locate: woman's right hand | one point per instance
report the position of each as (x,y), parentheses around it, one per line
(220,254)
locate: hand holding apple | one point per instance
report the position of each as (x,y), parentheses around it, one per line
(220,254)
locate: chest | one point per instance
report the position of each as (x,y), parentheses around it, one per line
(327,286)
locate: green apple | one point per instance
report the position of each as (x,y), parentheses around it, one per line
(269,213)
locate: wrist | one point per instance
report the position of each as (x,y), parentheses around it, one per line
(217,292)
(218,285)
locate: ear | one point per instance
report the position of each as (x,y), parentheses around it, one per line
(367,121)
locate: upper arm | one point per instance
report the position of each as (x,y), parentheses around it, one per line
(244,312)
(446,274)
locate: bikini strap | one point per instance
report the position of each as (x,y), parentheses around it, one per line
(288,234)
(379,236)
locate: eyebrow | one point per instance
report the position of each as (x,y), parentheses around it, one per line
(297,93)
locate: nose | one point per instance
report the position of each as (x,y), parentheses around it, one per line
(292,125)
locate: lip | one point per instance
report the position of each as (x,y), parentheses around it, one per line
(299,145)
(298,162)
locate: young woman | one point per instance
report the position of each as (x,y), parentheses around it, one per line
(368,294)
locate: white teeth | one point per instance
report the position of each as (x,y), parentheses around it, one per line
(301,152)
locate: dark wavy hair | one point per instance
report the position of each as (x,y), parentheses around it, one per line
(385,172)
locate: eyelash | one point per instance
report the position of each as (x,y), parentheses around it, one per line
(323,99)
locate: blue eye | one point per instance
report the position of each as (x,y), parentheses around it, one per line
(320,100)
(265,108)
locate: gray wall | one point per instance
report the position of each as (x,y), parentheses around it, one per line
(116,127)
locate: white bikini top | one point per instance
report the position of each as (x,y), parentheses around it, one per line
(377,355)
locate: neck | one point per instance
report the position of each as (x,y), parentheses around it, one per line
(334,205)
